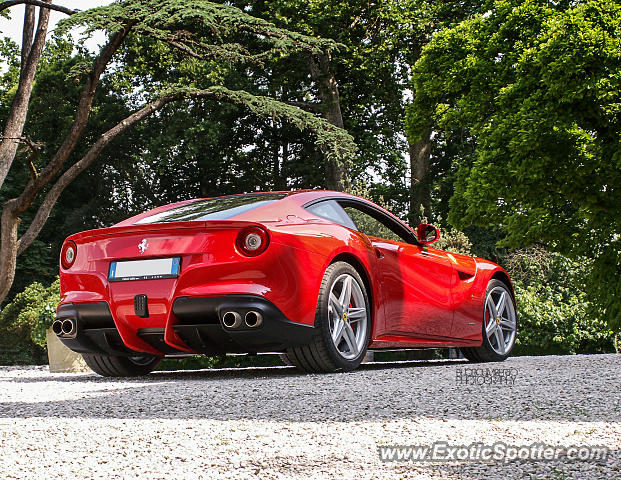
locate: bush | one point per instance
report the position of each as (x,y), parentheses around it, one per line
(555,315)
(23,323)
(230,361)
(454,241)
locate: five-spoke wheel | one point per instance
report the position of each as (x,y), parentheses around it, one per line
(499,325)
(347,312)
(343,324)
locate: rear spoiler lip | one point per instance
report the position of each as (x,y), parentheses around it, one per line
(162,227)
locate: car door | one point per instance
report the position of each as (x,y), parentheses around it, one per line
(415,280)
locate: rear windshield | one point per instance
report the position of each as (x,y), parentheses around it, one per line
(220,208)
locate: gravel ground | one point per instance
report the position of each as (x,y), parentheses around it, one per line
(276,423)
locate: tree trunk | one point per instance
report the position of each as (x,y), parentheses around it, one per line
(8,253)
(420,198)
(31,52)
(336,176)
(27,33)
(12,247)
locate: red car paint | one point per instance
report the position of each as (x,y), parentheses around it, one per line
(421,296)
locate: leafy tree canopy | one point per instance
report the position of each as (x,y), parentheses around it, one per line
(196,27)
(538,85)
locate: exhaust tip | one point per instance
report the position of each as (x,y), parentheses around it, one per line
(231,319)
(57,327)
(253,319)
(68,327)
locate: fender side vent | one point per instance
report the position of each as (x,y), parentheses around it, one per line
(463,276)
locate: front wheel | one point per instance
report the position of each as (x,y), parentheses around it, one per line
(343,322)
(499,326)
(111,366)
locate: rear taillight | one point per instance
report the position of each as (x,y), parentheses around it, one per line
(68,254)
(252,241)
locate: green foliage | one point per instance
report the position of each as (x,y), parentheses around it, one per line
(555,315)
(554,322)
(25,319)
(10,57)
(537,85)
(336,142)
(454,241)
(223,361)
(31,312)
(177,22)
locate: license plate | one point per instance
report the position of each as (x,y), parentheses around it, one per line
(152,268)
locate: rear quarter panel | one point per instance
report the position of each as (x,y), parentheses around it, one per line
(314,245)
(306,249)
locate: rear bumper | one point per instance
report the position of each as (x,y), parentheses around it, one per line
(197,323)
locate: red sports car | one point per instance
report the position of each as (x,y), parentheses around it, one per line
(318,276)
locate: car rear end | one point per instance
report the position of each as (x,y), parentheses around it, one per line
(173,287)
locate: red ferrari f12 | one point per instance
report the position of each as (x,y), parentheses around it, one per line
(318,276)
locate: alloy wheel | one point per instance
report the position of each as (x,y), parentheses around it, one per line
(500,324)
(348,316)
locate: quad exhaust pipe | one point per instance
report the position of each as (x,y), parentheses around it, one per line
(233,319)
(57,327)
(68,327)
(253,319)
(65,327)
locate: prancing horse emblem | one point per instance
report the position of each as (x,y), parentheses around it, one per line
(142,246)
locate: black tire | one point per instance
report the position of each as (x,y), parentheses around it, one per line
(284,358)
(109,366)
(486,352)
(321,355)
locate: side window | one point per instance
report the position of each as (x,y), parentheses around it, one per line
(369,225)
(330,210)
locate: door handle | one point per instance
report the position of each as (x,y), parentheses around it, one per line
(379,253)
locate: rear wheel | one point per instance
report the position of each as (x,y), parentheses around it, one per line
(110,366)
(343,322)
(499,326)
(284,358)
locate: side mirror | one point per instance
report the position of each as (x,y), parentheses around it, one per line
(427,233)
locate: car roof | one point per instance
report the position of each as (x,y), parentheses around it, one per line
(291,204)
(296,200)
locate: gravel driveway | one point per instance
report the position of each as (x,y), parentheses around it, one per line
(276,423)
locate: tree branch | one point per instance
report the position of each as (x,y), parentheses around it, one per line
(79,123)
(28,32)
(35,149)
(311,107)
(72,172)
(330,138)
(37,3)
(30,163)
(16,119)
(225,51)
